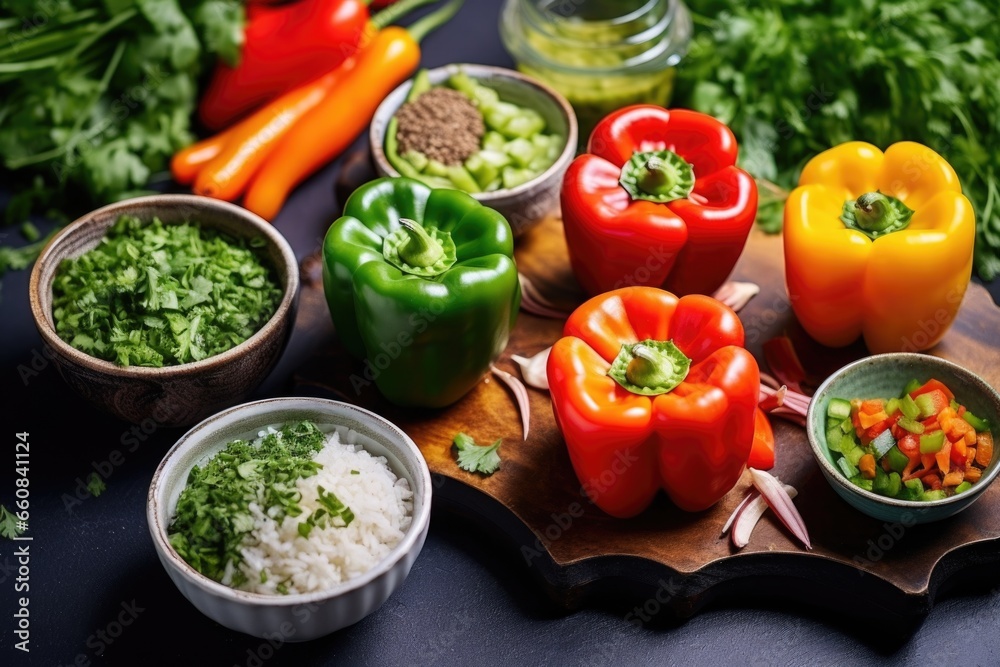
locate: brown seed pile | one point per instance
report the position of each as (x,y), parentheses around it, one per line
(443,124)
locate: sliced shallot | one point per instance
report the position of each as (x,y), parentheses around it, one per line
(533,302)
(533,369)
(781,502)
(520,395)
(754,493)
(752,510)
(736,294)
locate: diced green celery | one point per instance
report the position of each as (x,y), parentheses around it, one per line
(913,489)
(846,467)
(909,407)
(963,487)
(540,163)
(855,455)
(514,177)
(932,443)
(883,443)
(421,84)
(928,408)
(527,123)
(847,442)
(833,436)
(937,494)
(482,95)
(838,408)
(417,159)
(481,170)
(847,426)
(911,425)
(494,141)
(863,483)
(437,168)
(498,115)
(522,151)
(895,484)
(912,386)
(897,459)
(891,406)
(976,422)
(462,179)
(498,159)
(436,182)
(494,185)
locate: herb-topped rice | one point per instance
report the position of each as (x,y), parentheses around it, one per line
(295,511)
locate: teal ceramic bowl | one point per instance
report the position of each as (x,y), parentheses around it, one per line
(882,376)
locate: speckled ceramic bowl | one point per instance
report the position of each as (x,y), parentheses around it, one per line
(529,202)
(171,395)
(304,616)
(885,375)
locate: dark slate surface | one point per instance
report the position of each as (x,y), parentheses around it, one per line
(469,600)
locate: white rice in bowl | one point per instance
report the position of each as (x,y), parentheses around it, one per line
(278,560)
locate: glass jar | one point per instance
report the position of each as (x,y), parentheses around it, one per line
(601,54)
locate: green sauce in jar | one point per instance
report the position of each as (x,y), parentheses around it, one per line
(601,54)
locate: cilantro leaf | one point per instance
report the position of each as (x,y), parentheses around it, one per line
(95,485)
(484,459)
(8,524)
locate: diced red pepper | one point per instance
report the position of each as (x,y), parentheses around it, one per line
(931,424)
(872,406)
(943,457)
(933,385)
(928,461)
(909,445)
(933,482)
(959,452)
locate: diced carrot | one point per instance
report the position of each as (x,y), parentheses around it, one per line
(984,448)
(959,452)
(943,457)
(933,385)
(870,419)
(872,406)
(946,422)
(972,474)
(867,466)
(957,428)
(954,478)
(970,437)
(970,455)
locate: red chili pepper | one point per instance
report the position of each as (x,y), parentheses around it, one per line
(657,201)
(650,392)
(933,385)
(284,46)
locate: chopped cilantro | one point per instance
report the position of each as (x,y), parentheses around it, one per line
(8,524)
(95,484)
(476,458)
(153,294)
(213,516)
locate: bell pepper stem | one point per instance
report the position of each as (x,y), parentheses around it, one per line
(648,368)
(434,20)
(396,11)
(657,176)
(421,249)
(873,212)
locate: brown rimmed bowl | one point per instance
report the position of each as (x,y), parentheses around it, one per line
(172,395)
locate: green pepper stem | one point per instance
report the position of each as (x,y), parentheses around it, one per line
(420,249)
(657,176)
(873,212)
(648,368)
(434,20)
(396,11)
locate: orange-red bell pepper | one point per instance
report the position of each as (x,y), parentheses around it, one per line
(657,201)
(651,391)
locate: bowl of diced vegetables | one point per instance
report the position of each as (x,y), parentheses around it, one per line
(164,309)
(501,136)
(905,437)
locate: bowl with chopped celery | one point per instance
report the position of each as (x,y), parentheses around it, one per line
(290,516)
(906,437)
(494,133)
(165,309)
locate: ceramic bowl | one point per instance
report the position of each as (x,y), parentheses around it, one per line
(172,395)
(885,375)
(306,616)
(530,202)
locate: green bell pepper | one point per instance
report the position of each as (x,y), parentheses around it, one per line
(422,286)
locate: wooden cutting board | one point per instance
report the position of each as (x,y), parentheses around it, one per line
(667,560)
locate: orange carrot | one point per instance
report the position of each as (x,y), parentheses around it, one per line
(187,162)
(252,140)
(867,466)
(943,457)
(984,448)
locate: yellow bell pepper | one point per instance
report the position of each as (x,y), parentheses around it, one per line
(878,245)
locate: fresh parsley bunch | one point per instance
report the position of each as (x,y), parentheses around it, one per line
(795,77)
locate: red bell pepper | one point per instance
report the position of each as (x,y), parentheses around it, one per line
(284,46)
(657,201)
(651,391)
